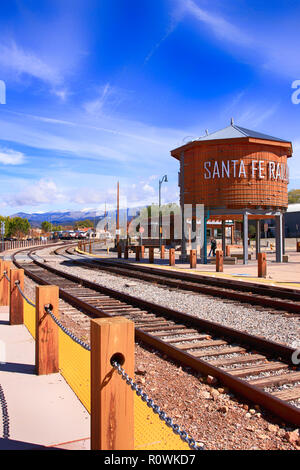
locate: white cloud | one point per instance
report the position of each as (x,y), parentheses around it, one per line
(11,157)
(221,27)
(255,43)
(43,191)
(148,189)
(17,60)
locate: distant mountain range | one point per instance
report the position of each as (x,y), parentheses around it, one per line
(59,218)
(65,218)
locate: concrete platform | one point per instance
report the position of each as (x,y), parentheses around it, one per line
(281,274)
(43,411)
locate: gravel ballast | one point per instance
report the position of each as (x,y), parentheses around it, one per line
(210,413)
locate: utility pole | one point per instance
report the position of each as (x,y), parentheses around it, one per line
(164,179)
(118,216)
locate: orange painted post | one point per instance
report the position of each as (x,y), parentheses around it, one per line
(298,246)
(228,247)
(16,302)
(46,344)
(262,264)
(1,279)
(151,254)
(172,256)
(142,251)
(112,400)
(162,252)
(4,284)
(137,253)
(193,259)
(219,261)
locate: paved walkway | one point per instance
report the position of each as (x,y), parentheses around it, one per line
(43,411)
(281,274)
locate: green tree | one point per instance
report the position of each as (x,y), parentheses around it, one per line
(18,227)
(6,220)
(252,231)
(83,224)
(294,196)
(46,226)
(154,210)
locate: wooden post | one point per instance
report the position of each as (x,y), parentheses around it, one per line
(1,280)
(119,251)
(219,261)
(228,247)
(193,259)
(112,400)
(137,253)
(298,247)
(46,344)
(162,252)
(126,252)
(142,251)
(172,257)
(262,265)
(90,248)
(16,302)
(4,284)
(172,231)
(151,254)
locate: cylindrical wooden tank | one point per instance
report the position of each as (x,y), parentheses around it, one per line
(235,173)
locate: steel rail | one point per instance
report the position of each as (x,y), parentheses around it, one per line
(283,409)
(266,296)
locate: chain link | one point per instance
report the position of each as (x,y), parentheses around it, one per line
(6,276)
(5,416)
(17,283)
(65,330)
(156,409)
(150,403)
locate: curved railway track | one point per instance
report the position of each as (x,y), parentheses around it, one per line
(253,367)
(281,299)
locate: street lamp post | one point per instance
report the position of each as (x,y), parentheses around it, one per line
(164,179)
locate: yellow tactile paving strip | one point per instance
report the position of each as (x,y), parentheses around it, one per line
(75,365)
(245,278)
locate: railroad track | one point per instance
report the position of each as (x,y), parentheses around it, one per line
(280,299)
(253,367)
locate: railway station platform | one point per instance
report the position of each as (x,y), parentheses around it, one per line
(285,274)
(36,412)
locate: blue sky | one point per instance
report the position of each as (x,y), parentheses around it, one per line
(99,91)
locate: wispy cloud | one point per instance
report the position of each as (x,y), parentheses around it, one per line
(121,142)
(221,27)
(11,157)
(19,61)
(257,45)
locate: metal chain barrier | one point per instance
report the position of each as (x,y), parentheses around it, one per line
(156,409)
(17,283)
(6,276)
(65,330)
(150,403)
(5,416)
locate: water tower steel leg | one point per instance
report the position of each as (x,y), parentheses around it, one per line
(257,244)
(279,236)
(245,238)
